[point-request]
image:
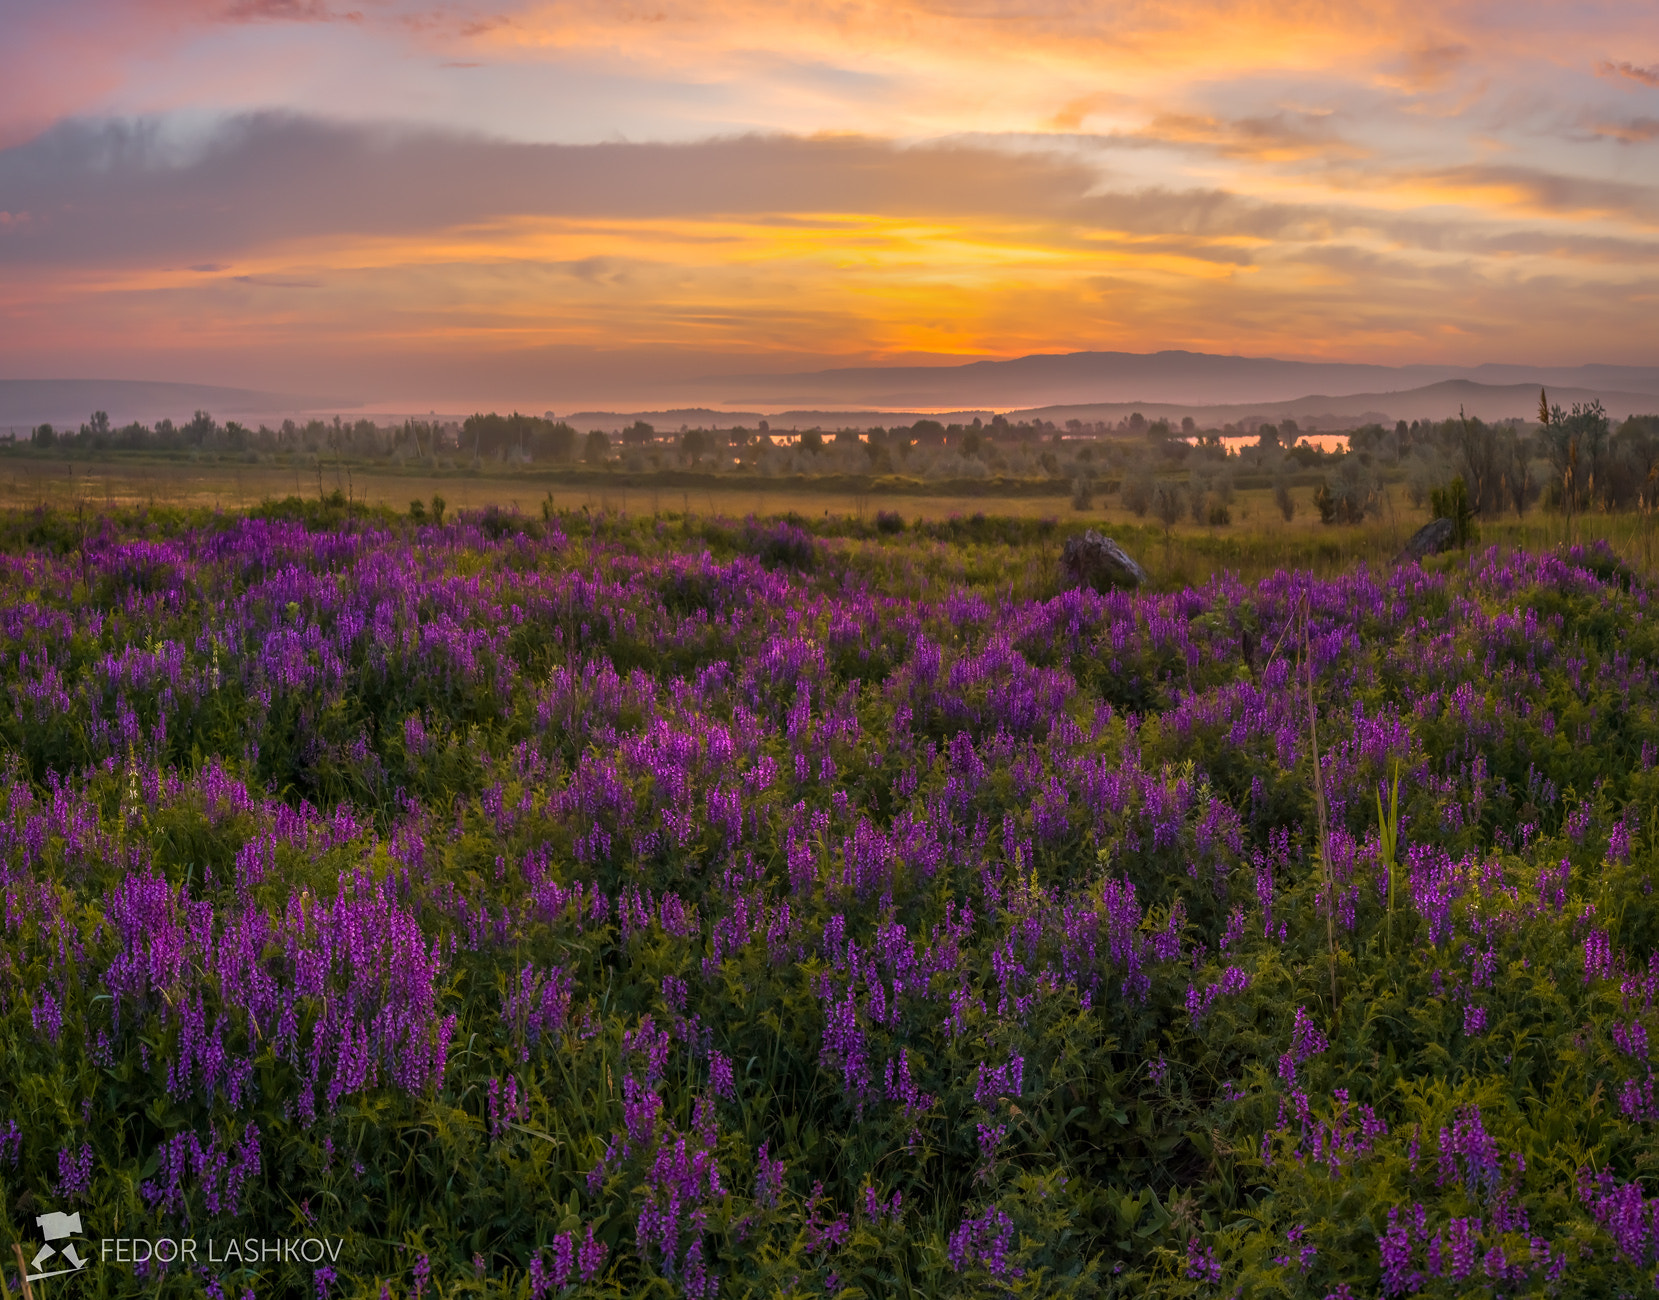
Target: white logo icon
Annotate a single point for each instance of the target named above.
(55, 1227)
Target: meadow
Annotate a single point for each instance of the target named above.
(574, 902)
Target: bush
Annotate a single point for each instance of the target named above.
(1452, 502)
(1138, 490)
(1349, 495)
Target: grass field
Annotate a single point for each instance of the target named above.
(1256, 543)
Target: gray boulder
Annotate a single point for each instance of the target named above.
(1433, 537)
(1098, 562)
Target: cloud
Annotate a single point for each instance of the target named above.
(1635, 130)
(126, 194)
(114, 190)
(276, 282)
(1431, 67)
(446, 259)
(1647, 76)
(1535, 190)
(1279, 137)
(289, 11)
(677, 68)
(1072, 114)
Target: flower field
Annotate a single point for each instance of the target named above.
(594, 906)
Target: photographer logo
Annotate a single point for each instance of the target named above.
(56, 1260)
(55, 1226)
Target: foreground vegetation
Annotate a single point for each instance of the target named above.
(581, 904)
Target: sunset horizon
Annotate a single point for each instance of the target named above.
(573, 204)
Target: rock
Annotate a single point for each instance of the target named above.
(1095, 561)
(1433, 537)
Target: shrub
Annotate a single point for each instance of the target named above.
(1452, 502)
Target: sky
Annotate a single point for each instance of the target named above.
(568, 203)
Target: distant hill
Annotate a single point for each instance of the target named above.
(1090, 386)
(693, 417)
(1174, 378)
(781, 421)
(25, 403)
(1430, 402)
(1437, 401)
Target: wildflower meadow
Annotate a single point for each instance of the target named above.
(588, 905)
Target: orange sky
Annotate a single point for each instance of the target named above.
(557, 204)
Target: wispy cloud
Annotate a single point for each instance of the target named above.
(862, 179)
(774, 250)
(1647, 76)
(1630, 130)
(289, 11)
(1279, 137)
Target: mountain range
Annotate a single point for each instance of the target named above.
(1090, 386)
(1186, 379)
(25, 403)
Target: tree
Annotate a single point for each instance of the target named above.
(598, 448)
(555, 442)
(1480, 463)
(1574, 443)
(1167, 504)
(44, 436)
(638, 434)
(1198, 485)
(693, 443)
(200, 429)
(99, 424)
(1452, 502)
(1347, 496)
(1633, 460)
(1282, 497)
(1517, 473)
(1138, 490)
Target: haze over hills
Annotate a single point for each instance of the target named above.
(1491, 402)
(1179, 378)
(1091, 386)
(67, 402)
